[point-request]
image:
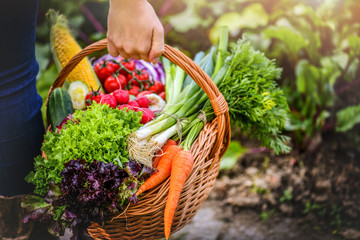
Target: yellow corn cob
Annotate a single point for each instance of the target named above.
(64, 47)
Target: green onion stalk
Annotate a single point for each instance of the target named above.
(185, 100)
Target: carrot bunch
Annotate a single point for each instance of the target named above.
(177, 164)
(164, 169)
(163, 151)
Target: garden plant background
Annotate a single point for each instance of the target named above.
(317, 44)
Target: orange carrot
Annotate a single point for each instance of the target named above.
(163, 150)
(164, 169)
(181, 168)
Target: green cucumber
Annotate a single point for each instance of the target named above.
(60, 106)
(78, 91)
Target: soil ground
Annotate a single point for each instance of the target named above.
(314, 195)
(245, 224)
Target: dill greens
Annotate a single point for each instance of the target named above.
(256, 104)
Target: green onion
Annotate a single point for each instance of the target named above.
(185, 100)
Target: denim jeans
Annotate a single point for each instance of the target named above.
(21, 126)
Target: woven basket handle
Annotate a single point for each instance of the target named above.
(191, 68)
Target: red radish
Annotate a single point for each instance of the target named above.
(122, 106)
(146, 116)
(108, 99)
(151, 113)
(134, 104)
(163, 95)
(143, 93)
(128, 107)
(143, 101)
(134, 90)
(122, 96)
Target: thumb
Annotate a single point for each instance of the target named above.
(112, 49)
(157, 44)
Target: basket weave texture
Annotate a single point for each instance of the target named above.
(145, 220)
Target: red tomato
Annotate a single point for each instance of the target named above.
(111, 84)
(103, 69)
(134, 82)
(134, 90)
(93, 96)
(163, 95)
(128, 76)
(143, 93)
(129, 64)
(149, 84)
(157, 88)
(123, 81)
(115, 65)
(141, 75)
(161, 87)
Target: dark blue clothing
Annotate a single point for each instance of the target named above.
(21, 126)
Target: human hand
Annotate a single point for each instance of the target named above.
(134, 30)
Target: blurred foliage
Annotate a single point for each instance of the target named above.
(316, 42)
(287, 196)
(87, 20)
(348, 117)
(232, 155)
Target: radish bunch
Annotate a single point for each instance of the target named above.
(140, 104)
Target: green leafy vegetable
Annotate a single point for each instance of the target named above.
(256, 104)
(293, 40)
(252, 16)
(232, 155)
(98, 133)
(347, 118)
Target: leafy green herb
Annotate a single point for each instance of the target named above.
(256, 103)
(98, 133)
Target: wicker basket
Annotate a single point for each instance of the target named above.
(145, 220)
